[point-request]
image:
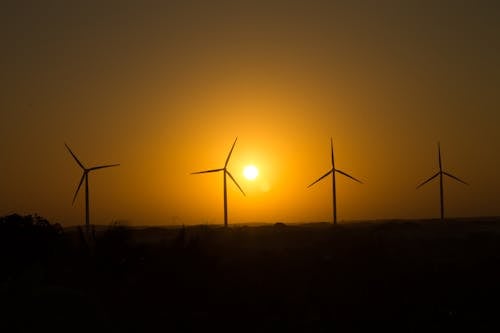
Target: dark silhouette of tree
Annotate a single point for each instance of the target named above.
(28, 238)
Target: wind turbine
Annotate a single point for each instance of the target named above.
(332, 171)
(85, 177)
(440, 173)
(225, 172)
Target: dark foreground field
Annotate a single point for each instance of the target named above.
(404, 276)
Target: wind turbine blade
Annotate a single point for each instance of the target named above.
(104, 166)
(347, 175)
(234, 180)
(456, 178)
(230, 152)
(78, 188)
(428, 180)
(331, 146)
(439, 157)
(74, 156)
(317, 180)
(207, 171)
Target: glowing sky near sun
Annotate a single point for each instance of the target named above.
(250, 172)
(163, 89)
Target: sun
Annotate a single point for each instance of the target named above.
(250, 172)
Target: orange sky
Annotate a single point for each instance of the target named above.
(165, 89)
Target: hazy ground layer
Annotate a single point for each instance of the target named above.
(312, 277)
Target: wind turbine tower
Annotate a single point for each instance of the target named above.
(332, 171)
(440, 173)
(85, 177)
(225, 173)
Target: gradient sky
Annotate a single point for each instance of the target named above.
(164, 87)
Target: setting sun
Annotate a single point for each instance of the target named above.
(250, 172)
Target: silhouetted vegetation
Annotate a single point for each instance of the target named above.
(25, 239)
(413, 275)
